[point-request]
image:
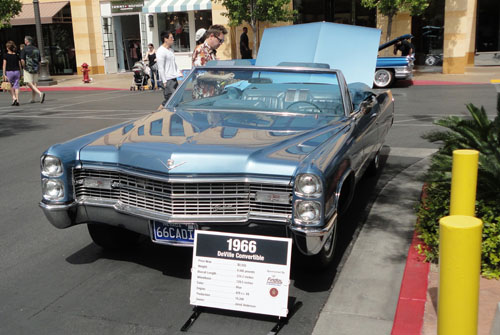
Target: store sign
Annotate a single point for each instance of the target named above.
(247, 273)
(127, 6)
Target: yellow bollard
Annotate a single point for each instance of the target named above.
(459, 272)
(464, 182)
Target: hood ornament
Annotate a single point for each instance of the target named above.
(171, 164)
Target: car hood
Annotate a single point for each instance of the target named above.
(394, 41)
(351, 49)
(207, 142)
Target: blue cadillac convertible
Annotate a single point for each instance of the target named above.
(274, 148)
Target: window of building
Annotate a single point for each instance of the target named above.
(488, 27)
(178, 24)
(338, 11)
(107, 36)
(203, 19)
(428, 30)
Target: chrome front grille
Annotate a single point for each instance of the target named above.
(182, 199)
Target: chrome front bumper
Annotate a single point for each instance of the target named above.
(308, 240)
(403, 73)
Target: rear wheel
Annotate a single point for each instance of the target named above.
(112, 238)
(430, 60)
(383, 78)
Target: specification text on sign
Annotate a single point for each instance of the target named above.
(247, 273)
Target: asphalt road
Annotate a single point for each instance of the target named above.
(58, 282)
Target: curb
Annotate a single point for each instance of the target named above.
(410, 309)
(438, 82)
(495, 327)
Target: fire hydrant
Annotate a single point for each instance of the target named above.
(85, 71)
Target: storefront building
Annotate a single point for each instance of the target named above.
(57, 31)
(121, 34)
(454, 34)
(71, 33)
(183, 19)
(129, 26)
(110, 35)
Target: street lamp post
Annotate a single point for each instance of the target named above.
(44, 79)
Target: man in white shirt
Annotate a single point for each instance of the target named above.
(167, 68)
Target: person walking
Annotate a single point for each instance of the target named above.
(30, 59)
(207, 51)
(245, 51)
(12, 71)
(167, 68)
(151, 58)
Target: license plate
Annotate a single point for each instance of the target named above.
(173, 232)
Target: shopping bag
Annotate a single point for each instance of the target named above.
(6, 86)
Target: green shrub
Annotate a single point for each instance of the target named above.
(483, 135)
(436, 205)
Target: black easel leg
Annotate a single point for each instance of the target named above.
(192, 319)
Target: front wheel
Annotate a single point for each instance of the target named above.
(383, 78)
(112, 238)
(325, 257)
(374, 166)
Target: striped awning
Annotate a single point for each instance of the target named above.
(168, 6)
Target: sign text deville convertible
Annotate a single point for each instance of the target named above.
(245, 273)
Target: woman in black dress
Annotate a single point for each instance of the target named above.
(12, 71)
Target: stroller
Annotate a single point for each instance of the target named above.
(141, 76)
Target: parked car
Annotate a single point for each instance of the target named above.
(274, 150)
(394, 68)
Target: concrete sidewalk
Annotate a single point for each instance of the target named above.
(365, 296)
(113, 81)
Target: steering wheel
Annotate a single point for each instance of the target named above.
(297, 105)
(233, 92)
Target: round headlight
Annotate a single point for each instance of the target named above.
(308, 211)
(52, 189)
(308, 185)
(51, 166)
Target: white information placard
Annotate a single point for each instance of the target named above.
(247, 273)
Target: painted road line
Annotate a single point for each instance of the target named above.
(63, 117)
(88, 101)
(411, 152)
(415, 125)
(80, 112)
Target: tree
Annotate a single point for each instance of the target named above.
(390, 8)
(255, 11)
(9, 9)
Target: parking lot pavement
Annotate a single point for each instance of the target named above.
(364, 296)
(98, 104)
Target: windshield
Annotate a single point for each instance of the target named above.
(260, 90)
